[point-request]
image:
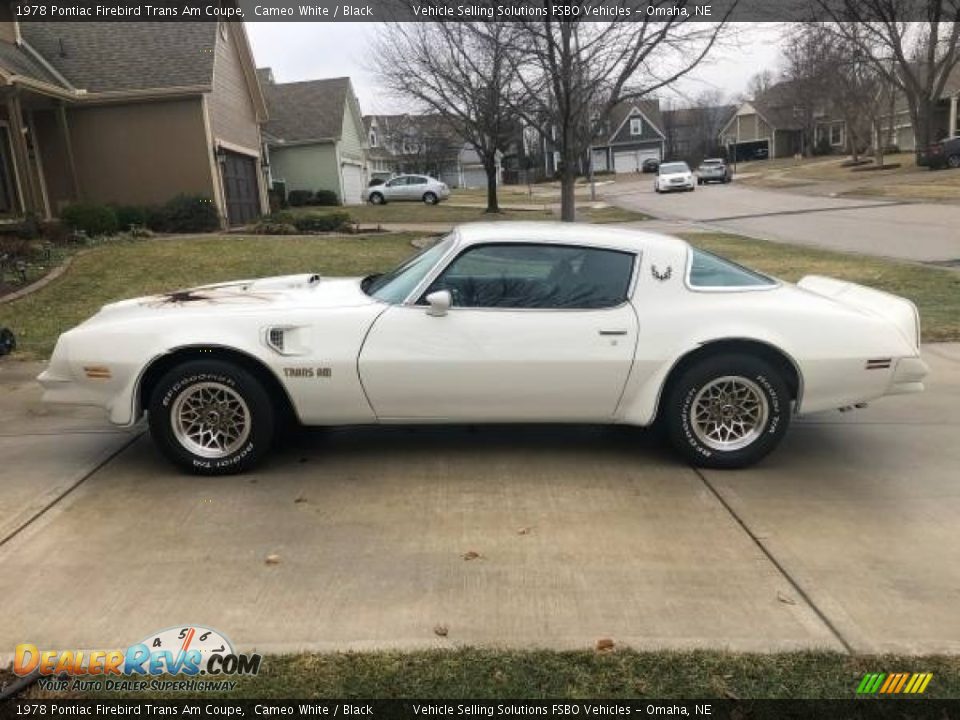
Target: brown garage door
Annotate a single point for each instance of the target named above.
(240, 188)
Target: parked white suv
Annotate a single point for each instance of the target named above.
(421, 188)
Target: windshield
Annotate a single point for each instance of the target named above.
(396, 285)
(670, 168)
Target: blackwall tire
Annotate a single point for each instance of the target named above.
(430, 198)
(727, 411)
(377, 198)
(211, 417)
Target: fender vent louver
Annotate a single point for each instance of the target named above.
(879, 363)
(275, 339)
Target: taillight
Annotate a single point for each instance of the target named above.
(936, 149)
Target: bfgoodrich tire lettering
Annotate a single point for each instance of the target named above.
(211, 417)
(727, 411)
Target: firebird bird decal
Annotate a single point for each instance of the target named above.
(661, 276)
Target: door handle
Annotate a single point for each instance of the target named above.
(612, 332)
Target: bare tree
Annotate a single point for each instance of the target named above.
(913, 55)
(570, 73)
(759, 83)
(459, 71)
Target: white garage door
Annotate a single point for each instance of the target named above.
(352, 185)
(629, 161)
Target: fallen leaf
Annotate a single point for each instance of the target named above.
(524, 531)
(440, 630)
(605, 644)
(272, 560)
(471, 555)
(300, 499)
(731, 695)
(786, 599)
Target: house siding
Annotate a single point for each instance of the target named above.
(351, 137)
(307, 167)
(648, 133)
(139, 154)
(233, 117)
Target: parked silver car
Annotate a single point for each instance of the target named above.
(420, 188)
(714, 170)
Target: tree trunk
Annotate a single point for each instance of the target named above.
(568, 197)
(493, 206)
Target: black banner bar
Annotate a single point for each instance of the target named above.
(451, 10)
(862, 709)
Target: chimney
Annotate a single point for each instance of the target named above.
(265, 76)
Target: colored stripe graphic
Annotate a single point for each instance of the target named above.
(894, 683)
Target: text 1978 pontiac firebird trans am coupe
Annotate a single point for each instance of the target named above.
(496, 323)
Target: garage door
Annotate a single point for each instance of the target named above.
(240, 188)
(628, 161)
(352, 185)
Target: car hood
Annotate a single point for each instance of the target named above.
(675, 176)
(273, 293)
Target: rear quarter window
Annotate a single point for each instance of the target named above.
(712, 271)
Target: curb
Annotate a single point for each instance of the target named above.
(44, 281)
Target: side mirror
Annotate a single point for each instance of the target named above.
(440, 301)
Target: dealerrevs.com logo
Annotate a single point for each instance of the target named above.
(190, 651)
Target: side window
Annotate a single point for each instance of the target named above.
(418, 181)
(710, 271)
(537, 277)
(397, 182)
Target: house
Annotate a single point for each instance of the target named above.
(315, 136)
(898, 128)
(172, 108)
(692, 134)
(427, 144)
(632, 133)
(771, 125)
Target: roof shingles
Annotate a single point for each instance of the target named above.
(308, 110)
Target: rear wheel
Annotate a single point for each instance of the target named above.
(727, 411)
(954, 161)
(430, 198)
(211, 417)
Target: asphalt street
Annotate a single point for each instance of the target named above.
(845, 538)
(910, 231)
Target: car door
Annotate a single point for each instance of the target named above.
(395, 188)
(536, 332)
(417, 186)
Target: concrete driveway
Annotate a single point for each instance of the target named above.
(910, 231)
(846, 538)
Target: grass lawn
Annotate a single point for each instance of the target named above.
(490, 674)
(936, 291)
(114, 271)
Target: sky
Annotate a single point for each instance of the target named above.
(308, 51)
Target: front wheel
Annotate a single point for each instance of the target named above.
(211, 417)
(430, 198)
(377, 198)
(954, 161)
(727, 411)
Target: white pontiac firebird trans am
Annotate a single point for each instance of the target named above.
(498, 323)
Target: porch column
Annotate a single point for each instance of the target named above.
(954, 128)
(68, 148)
(31, 199)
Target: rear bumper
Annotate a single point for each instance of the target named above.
(908, 376)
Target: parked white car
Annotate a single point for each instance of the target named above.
(674, 176)
(418, 188)
(498, 322)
